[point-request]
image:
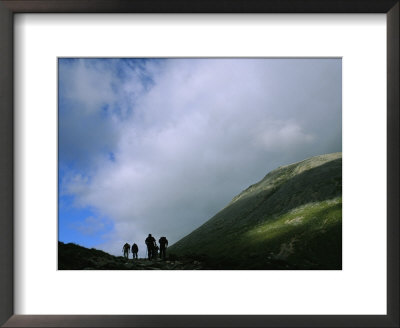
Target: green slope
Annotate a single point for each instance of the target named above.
(291, 219)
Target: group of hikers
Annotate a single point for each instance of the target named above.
(153, 250)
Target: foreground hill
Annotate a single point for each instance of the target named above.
(291, 219)
(75, 257)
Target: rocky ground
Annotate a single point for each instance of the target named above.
(75, 257)
(158, 264)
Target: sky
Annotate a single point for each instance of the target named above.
(161, 145)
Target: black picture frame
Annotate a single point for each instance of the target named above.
(10, 7)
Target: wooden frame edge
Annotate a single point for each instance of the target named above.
(8, 8)
(6, 164)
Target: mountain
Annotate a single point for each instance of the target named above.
(291, 219)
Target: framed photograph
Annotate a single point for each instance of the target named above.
(174, 138)
(202, 164)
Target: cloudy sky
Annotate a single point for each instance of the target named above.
(160, 145)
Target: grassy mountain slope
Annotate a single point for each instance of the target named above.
(292, 218)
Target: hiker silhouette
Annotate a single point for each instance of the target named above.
(151, 244)
(135, 250)
(163, 246)
(126, 249)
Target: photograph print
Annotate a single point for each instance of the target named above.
(199, 164)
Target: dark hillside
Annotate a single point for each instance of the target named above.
(75, 257)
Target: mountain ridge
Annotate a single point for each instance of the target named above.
(308, 186)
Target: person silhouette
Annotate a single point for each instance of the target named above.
(126, 249)
(163, 246)
(135, 250)
(150, 243)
